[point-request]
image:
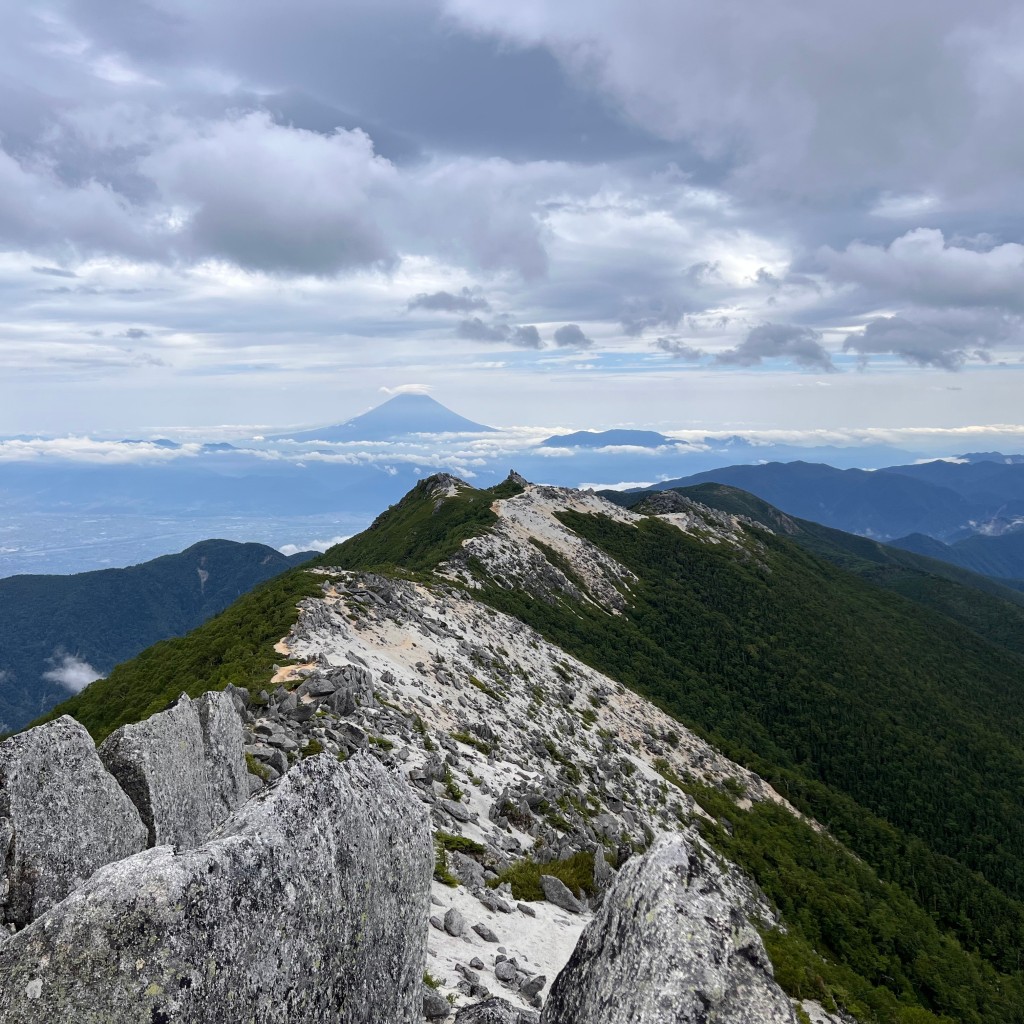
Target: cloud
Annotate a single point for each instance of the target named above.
(136, 333)
(801, 99)
(679, 349)
(465, 302)
(917, 343)
(54, 272)
(275, 198)
(313, 545)
(407, 389)
(526, 336)
(571, 336)
(85, 449)
(70, 671)
(801, 345)
(523, 336)
(474, 329)
(922, 268)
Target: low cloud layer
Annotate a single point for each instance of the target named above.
(313, 545)
(70, 671)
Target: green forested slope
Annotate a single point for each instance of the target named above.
(109, 615)
(985, 605)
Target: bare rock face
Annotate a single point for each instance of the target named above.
(62, 816)
(670, 944)
(494, 1011)
(224, 746)
(183, 768)
(308, 905)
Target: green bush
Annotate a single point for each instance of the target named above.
(577, 872)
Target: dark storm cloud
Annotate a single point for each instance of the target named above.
(571, 336)
(801, 345)
(445, 302)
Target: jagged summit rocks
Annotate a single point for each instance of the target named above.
(184, 768)
(669, 944)
(61, 817)
(307, 905)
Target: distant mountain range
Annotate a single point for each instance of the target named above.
(58, 633)
(400, 416)
(1000, 556)
(946, 500)
(61, 499)
(607, 438)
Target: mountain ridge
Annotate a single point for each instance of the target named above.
(808, 687)
(53, 627)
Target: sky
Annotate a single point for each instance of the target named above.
(796, 216)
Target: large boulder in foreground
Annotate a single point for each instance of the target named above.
(62, 816)
(183, 768)
(669, 944)
(308, 905)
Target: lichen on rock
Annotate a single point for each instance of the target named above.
(184, 768)
(62, 816)
(307, 905)
(669, 944)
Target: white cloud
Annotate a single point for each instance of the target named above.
(313, 545)
(85, 449)
(71, 671)
(800, 98)
(921, 267)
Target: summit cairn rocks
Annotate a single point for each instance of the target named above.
(309, 904)
(669, 944)
(62, 816)
(184, 768)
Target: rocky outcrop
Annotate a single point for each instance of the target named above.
(495, 1011)
(307, 905)
(184, 768)
(227, 778)
(61, 817)
(670, 944)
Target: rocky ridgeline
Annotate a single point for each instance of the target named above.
(529, 547)
(355, 842)
(523, 755)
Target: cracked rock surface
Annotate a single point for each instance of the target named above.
(307, 905)
(183, 768)
(669, 944)
(61, 817)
